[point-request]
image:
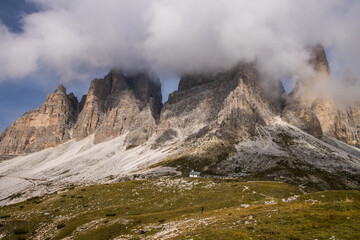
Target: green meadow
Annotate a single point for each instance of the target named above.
(170, 208)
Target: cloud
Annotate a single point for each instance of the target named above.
(75, 37)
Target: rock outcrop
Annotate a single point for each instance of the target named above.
(298, 108)
(300, 115)
(319, 60)
(121, 104)
(320, 115)
(225, 105)
(44, 127)
(341, 122)
(114, 105)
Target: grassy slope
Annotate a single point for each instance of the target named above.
(204, 159)
(171, 207)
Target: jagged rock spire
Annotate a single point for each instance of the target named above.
(43, 127)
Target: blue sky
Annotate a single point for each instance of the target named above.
(17, 98)
(25, 94)
(12, 10)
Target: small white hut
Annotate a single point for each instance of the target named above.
(194, 174)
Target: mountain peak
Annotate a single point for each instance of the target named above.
(60, 89)
(319, 60)
(118, 103)
(43, 127)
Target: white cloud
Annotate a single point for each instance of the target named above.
(75, 37)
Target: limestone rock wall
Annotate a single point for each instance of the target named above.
(300, 115)
(341, 122)
(114, 105)
(43, 127)
(225, 105)
(118, 104)
(305, 112)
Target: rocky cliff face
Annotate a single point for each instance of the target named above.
(225, 105)
(114, 105)
(319, 60)
(44, 127)
(298, 108)
(119, 104)
(319, 115)
(340, 122)
(300, 115)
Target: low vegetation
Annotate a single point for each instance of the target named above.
(131, 147)
(170, 208)
(205, 158)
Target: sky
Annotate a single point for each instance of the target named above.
(16, 98)
(47, 42)
(22, 94)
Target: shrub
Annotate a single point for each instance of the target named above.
(130, 147)
(60, 226)
(20, 231)
(17, 195)
(33, 199)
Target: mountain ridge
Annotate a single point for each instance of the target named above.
(222, 124)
